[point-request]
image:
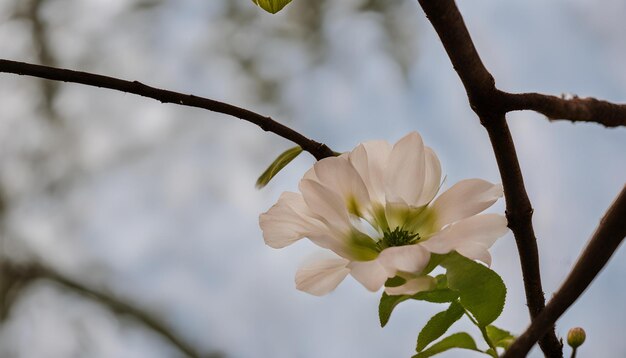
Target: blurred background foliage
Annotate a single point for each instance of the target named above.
(58, 139)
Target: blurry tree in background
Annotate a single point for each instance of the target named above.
(57, 140)
(128, 227)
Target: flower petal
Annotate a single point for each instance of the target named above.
(354, 246)
(337, 174)
(325, 204)
(286, 221)
(404, 216)
(369, 159)
(464, 199)
(432, 177)
(370, 274)
(310, 174)
(475, 251)
(404, 175)
(409, 258)
(321, 276)
(482, 229)
(412, 286)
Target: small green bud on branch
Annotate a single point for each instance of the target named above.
(576, 337)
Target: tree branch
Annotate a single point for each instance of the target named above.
(318, 150)
(448, 23)
(486, 101)
(604, 242)
(25, 274)
(574, 109)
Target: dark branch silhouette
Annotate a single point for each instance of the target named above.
(485, 100)
(318, 150)
(604, 242)
(574, 109)
(24, 274)
(491, 106)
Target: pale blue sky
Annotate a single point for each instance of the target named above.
(176, 229)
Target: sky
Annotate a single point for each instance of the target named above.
(175, 227)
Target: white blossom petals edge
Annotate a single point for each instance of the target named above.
(375, 210)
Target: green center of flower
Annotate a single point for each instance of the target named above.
(397, 237)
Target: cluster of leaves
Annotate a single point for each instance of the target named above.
(470, 289)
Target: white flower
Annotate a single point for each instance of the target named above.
(373, 207)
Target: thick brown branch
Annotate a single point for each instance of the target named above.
(34, 272)
(318, 150)
(604, 242)
(480, 84)
(574, 109)
(448, 22)
(518, 211)
(486, 100)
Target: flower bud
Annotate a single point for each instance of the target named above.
(576, 337)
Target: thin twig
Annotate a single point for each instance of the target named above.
(33, 272)
(604, 242)
(485, 100)
(318, 150)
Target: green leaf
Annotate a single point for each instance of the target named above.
(500, 337)
(438, 325)
(277, 165)
(481, 290)
(386, 306)
(441, 293)
(395, 281)
(437, 296)
(457, 340)
(492, 353)
(442, 281)
(272, 6)
(435, 260)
